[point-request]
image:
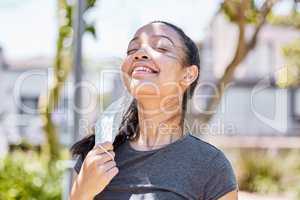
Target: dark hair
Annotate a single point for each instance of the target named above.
(129, 128)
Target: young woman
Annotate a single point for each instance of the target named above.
(152, 157)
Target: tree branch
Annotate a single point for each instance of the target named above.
(242, 50)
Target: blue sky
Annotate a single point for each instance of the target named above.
(28, 28)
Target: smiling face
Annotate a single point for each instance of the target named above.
(155, 63)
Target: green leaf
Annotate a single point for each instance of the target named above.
(91, 29)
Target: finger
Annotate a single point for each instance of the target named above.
(106, 146)
(106, 151)
(110, 153)
(111, 173)
(107, 166)
(103, 158)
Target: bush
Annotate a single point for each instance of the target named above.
(260, 174)
(24, 176)
(268, 172)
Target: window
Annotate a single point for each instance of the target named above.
(296, 104)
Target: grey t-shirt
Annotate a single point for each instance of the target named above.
(188, 168)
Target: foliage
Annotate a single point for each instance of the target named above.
(261, 174)
(62, 66)
(24, 176)
(290, 20)
(290, 74)
(231, 9)
(268, 172)
(241, 13)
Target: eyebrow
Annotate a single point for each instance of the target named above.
(163, 36)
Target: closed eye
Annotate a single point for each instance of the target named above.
(131, 51)
(161, 49)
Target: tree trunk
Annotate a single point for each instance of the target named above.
(242, 50)
(48, 103)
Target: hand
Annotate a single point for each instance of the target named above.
(97, 171)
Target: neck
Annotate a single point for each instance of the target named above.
(159, 123)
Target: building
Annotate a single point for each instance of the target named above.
(22, 83)
(253, 104)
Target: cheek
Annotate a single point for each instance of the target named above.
(125, 65)
(169, 79)
(169, 74)
(170, 84)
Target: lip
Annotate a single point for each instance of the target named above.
(143, 64)
(142, 75)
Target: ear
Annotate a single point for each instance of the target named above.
(190, 74)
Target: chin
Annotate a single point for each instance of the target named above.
(144, 89)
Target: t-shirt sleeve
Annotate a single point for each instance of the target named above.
(222, 178)
(78, 164)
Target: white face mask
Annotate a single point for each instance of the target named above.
(107, 126)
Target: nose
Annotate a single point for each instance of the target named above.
(141, 55)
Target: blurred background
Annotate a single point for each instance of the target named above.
(59, 69)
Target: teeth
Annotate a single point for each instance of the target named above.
(146, 69)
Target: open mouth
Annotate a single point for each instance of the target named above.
(144, 69)
(141, 71)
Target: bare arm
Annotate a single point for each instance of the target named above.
(233, 195)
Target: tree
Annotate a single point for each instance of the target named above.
(289, 76)
(62, 67)
(241, 13)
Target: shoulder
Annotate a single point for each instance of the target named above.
(216, 172)
(208, 156)
(204, 149)
(196, 141)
